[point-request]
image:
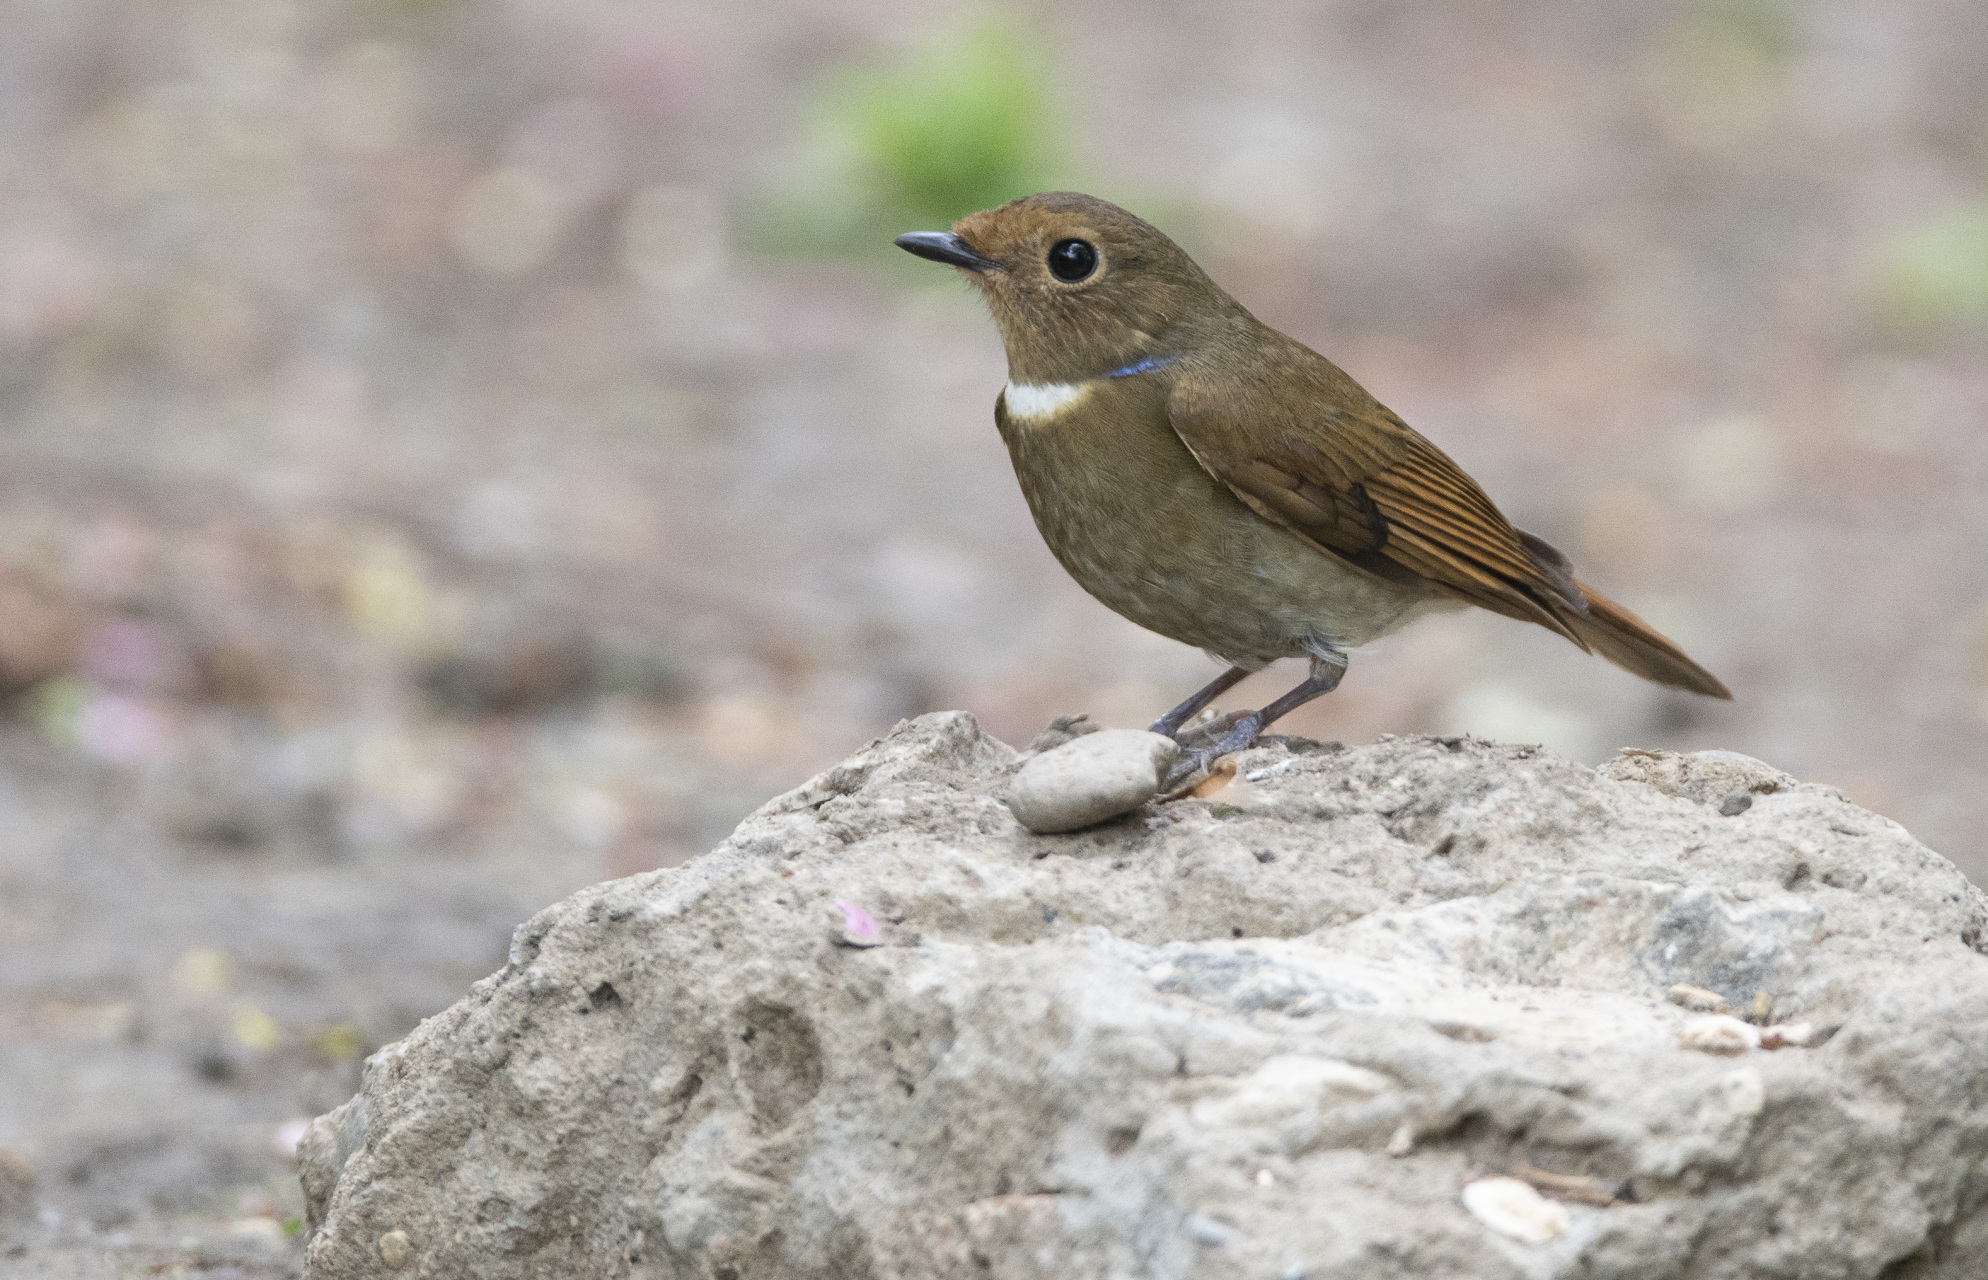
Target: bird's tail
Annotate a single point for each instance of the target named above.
(1634, 645)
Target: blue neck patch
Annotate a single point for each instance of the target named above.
(1143, 366)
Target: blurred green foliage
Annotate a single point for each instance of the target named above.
(1765, 29)
(1737, 42)
(341, 1043)
(959, 127)
(962, 123)
(56, 707)
(1935, 272)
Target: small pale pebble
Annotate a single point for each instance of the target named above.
(858, 928)
(1696, 999)
(1717, 1033)
(1402, 1142)
(1787, 1035)
(1090, 779)
(1265, 1178)
(1512, 1208)
(1207, 1232)
(396, 1250)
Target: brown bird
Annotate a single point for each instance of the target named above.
(1226, 486)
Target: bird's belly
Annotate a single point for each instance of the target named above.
(1159, 541)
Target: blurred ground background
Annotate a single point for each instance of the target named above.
(451, 454)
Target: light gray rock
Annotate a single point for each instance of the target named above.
(1090, 778)
(1275, 1034)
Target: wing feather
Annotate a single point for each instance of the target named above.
(1316, 454)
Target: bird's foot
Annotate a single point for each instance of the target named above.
(1201, 745)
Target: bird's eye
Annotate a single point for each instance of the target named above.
(1072, 260)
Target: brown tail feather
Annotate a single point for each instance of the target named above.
(1632, 644)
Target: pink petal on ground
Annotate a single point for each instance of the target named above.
(858, 929)
(122, 730)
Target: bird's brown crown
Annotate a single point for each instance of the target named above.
(1080, 287)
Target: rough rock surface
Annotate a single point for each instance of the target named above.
(1088, 779)
(1271, 1034)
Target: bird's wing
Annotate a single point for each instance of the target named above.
(1310, 450)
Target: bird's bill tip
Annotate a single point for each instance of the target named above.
(943, 246)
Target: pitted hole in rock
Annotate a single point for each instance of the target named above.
(776, 1059)
(603, 997)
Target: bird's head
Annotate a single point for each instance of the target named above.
(1078, 287)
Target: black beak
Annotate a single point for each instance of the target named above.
(944, 246)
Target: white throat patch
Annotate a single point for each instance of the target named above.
(1039, 402)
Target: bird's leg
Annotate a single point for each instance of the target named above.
(1323, 679)
(1170, 723)
(1239, 730)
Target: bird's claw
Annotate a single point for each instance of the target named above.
(1203, 744)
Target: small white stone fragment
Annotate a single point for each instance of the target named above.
(1091, 778)
(1265, 1178)
(1402, 1141)
(396, 1250)
(1288, 1084)
(1787, 1035)
(1512, 1208)
(1718, 1033)
(1696, 999)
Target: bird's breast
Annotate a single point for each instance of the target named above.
(1144, 528)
